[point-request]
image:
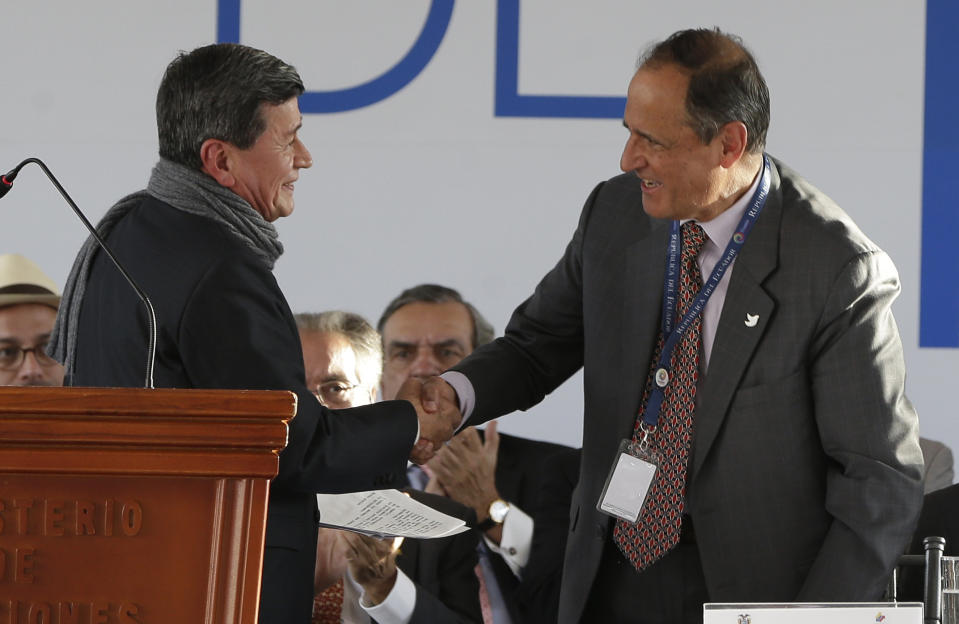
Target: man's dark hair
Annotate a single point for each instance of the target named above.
(725, 83)
(434, 293)
(216, 92)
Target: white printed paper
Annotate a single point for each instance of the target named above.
(385, 513)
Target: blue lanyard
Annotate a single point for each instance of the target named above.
(672, 335)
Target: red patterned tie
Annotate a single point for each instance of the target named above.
(485, 607)
(328, 605)
(657, 529)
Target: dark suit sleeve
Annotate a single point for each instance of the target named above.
(238, 332)
(543, 342)
(442, 569)
(538, 593)
(868, 429)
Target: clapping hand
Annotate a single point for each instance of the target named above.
(372, 564)
(465, 469)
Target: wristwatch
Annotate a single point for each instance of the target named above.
(497, 514)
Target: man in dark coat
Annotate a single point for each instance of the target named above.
(201, 243)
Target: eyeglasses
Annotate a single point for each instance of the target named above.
(11, 357)
(335, 394)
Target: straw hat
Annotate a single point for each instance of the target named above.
(22, 281)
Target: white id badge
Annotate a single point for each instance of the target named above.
(628, 481)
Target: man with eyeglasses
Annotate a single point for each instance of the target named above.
(342, 356)
(28, 308)
(359, 579)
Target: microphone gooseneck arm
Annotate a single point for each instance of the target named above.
(6, 182)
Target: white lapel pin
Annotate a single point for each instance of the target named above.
(751, 320)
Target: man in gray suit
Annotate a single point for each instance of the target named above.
(801, 477)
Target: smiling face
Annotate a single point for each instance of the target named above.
(265, 173)
(682, 177)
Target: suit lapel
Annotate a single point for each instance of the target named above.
(408, 559)
(642, 309)
(508, 472)
(736, 335)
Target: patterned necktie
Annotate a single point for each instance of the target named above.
(328, 605)
(485, 608)
(656, 530)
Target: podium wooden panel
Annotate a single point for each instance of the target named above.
(121, 506)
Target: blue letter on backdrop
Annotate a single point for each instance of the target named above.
(379, 88)
(509, 103)
(939, 298)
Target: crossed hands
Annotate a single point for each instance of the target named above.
(331, 559)
(438, 412)
(372, 564)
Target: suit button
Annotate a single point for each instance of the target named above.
(512, 550)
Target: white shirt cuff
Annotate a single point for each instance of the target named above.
(517, 540)
(464, 393)
(397, 607)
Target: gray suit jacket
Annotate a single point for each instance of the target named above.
(805, 474)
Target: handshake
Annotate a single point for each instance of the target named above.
(438, 412)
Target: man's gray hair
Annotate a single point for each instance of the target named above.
(363, 338)
(434, 293)
(217, 92)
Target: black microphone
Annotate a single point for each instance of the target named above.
(6, 183)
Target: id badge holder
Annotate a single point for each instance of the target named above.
(629, 480)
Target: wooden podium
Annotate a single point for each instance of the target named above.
(121, 506)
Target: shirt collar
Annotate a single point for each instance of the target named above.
(721, 228)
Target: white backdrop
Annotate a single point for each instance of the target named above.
(430, 185)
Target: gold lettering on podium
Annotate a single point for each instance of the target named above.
(69, 612)
(52, 517)
(84, 518)
(100, 612)
(59, 518)
(38, 613)
(22, 506)
(23, 571)
(16, 565)
(108, 518)
(131, 518)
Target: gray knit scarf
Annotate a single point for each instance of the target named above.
(187, 190)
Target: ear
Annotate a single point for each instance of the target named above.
(734, 138)
(214, 154)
